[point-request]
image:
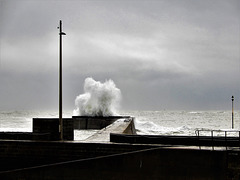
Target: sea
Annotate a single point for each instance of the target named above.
(146, 122)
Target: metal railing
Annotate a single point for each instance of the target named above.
(214, 134)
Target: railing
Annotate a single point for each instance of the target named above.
(226, 132)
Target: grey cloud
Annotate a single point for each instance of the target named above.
(161, 54)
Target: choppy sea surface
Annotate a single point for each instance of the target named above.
(146, 122)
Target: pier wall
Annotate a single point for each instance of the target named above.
(154, 163)
(94, 122)
(51, 126)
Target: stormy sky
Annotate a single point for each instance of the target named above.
(165, 54)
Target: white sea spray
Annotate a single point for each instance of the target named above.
(99, 99)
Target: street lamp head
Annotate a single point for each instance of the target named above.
(62, 33)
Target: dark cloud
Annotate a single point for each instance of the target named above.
(161, 54)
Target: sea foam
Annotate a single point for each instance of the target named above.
(150, 128)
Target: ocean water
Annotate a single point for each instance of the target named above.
(146, 122)
(185, 122)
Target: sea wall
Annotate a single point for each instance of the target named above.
(154, 163)
(94, 122)
(51, 126)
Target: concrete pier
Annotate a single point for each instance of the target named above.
(97, 122)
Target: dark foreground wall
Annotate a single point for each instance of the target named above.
(22, 154)
(158, 163)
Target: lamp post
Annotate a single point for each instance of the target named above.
(232, 113)
(60, 80)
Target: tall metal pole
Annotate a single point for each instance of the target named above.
(232, 113)
(60, 80)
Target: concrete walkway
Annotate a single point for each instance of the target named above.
(103, 135)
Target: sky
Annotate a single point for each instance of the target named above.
(161, 54)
